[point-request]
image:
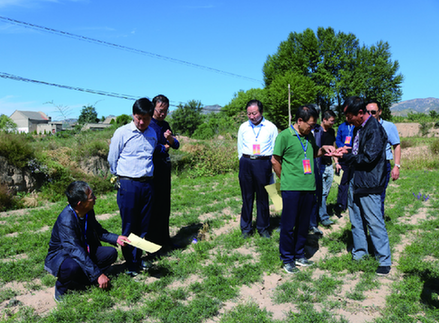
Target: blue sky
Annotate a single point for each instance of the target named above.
(230, 36)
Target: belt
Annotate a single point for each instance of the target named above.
(139, 179)
(256, 157)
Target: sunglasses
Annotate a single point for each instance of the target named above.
(372, 112)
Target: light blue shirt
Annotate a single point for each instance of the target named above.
(264, 135)
(131, 151)
(392, 137)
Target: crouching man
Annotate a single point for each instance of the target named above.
(75, 255)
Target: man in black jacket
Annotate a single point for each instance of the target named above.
(75, 255)
(368, 160)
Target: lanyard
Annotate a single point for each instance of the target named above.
(85, 231)
(350, 127)
(253, 128)
(298, 137)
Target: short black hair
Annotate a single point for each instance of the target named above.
(305, 112)
(356, 106)
(160, 98)
(328, 114)
(376, 102)
(143, 106)
(76, 192)
(255, 102)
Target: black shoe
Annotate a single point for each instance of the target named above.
(338, 209)
(383, 270)
(265, 234)
(246, 235)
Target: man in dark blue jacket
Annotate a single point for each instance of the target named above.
(75, 255)
(368, 162)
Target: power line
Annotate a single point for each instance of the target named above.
(129, 49)
(104, 93)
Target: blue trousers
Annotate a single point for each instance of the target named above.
(71, 276)
(297, 206)
(365, 213)
(135, 203)
(254, 175)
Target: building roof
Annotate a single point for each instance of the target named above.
(32, 115)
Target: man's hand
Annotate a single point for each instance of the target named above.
(169, 137)
(103, 281)
(121, 240)
(337, 167)
(395, 173)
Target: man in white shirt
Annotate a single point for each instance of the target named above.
(256, 138)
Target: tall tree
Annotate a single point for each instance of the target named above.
(338, 66)
(6, 124)
(187, 117)
(303, 90)
(88, 115)
(236, 107)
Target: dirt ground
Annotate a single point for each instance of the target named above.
(261, 293)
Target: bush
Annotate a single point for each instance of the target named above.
(435, 146)
(212, 157)
(424, 128)
(406, 143)
(16, 148)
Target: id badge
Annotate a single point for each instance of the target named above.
(347, 141)
(256, 149)
(306, 166)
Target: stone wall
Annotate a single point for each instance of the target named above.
(17, 179)
(23, 180)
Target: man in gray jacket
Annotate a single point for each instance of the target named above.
(76, 256)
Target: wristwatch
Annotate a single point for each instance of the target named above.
(398, 165)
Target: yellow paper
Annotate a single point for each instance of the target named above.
(143, 244)
(337, 179)
(273, 191)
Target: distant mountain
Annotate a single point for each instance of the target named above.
(415, 105)
(211, 108)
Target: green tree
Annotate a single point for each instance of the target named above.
(88, 115)
(187, 117)
(303, 90)
(6, 124)
(236, 107)
(338, 66)
(123, 119)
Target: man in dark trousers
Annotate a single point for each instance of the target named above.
(256, 139)
(368, 162)
(75, 255)
(159, 224)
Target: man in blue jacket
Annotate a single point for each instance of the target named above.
(368, 162)
(76, 256)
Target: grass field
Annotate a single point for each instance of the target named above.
(224, 278)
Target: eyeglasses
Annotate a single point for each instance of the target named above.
(161, 111)
(311, 125)
(372, 112)
(92, 197)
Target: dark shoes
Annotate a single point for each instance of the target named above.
(246, 235)
(315, 230)
(265, 234)
(145, 265)
(303, 262)
(291, 268)
(383, 270)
